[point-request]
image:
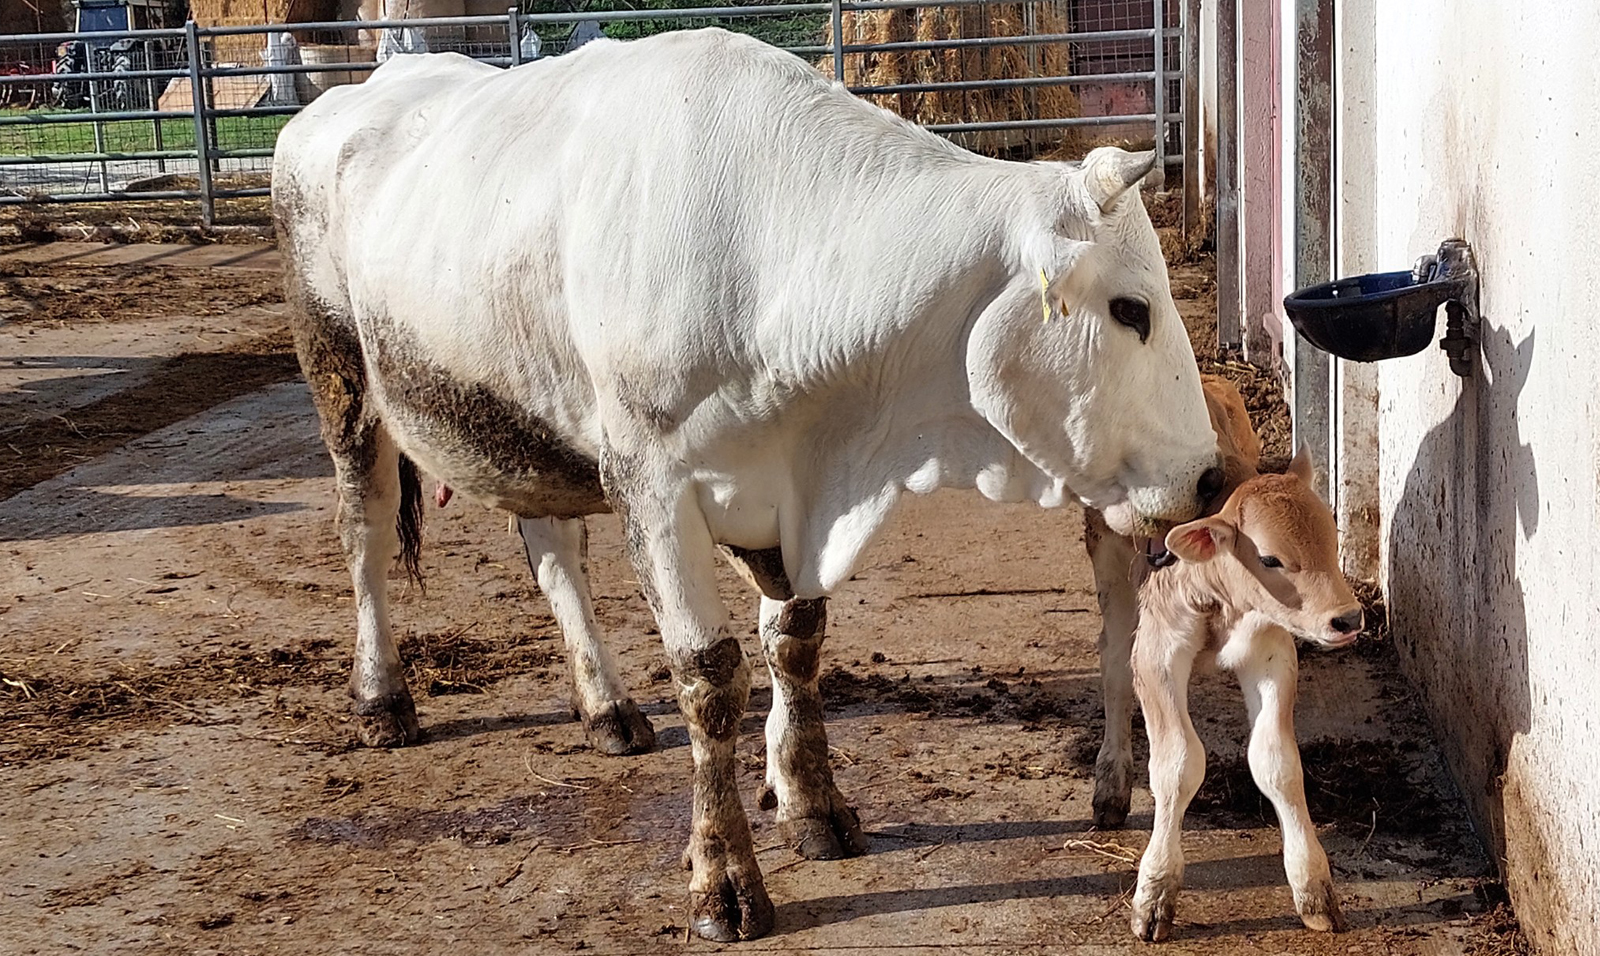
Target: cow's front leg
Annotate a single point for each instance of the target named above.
(1116, 577)
(1161, 669)
(558, 553)
(813, 816)
(672, 552)
(1268, 677)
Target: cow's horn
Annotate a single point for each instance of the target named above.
(1108, 172)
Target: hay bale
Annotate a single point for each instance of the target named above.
(895, 67)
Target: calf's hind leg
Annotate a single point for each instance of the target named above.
(558, 553)
(1118, 571)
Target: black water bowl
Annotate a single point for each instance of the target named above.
(1366, 318)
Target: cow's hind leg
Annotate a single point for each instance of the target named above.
(379, 499)
(813, 816)
(378, 514)
(671, 550)
(558, 553)
(1267, 677)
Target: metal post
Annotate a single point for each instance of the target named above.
(1159, 13)
(202, 139)
(94, 110)
(1194, 225)
(157, 137)
(1313, 219)
(1230, 327)
(838, 41)
(514, 36)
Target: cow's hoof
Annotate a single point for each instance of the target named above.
(1153, 912)
(620, 729)
(833, 837)
(1319, 909)
(388, 721)
(738, 909)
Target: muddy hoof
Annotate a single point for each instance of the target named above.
(738, 909)
(766, 797)
(834, 837)
(1113, 793)
(388, 721)
(620, 729)
(1153, 912)
(1110, 813)
(1319, 910)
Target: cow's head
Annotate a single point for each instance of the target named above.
(1274, 549)
(1083, 362)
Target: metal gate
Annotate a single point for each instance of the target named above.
(192, 113)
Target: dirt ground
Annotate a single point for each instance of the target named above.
(180, 773)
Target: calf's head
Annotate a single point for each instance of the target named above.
(1273, 549)
(1084, 364)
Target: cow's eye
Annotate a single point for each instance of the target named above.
(1132, 313)
(1268, 561)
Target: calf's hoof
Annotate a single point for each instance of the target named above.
(620, 729)
(1153, 912)
(1113, 793)
(388, 721)
(1110, 810)
(737, 909)
(1319, 909)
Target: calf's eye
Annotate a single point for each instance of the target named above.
(1132, 313)
(1268, 561)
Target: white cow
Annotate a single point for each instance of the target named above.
(689, 279)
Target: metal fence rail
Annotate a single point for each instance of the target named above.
(193, 113)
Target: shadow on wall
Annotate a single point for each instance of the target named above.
(1458, 614)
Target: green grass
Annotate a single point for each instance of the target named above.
(127, 136)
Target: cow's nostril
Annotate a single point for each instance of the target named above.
(1210, 484)
(1347, 623)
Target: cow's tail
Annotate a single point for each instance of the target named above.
(409, 522)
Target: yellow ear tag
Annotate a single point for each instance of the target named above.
(1044, 296)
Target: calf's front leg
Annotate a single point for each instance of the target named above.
(1161, 670)
(672, 552)
(1267, 676)
(813, 816)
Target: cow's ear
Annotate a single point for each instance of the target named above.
(1108, 172)
(1302, 466)
(1075, 268)
(1200, 541)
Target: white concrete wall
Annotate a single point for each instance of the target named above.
(1481, 119)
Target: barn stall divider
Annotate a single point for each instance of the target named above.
(191, 113)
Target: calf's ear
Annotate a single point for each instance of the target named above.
(1199, 541)
(1302, 465)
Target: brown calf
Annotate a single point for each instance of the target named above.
(1120, 566)
(1262, 572)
